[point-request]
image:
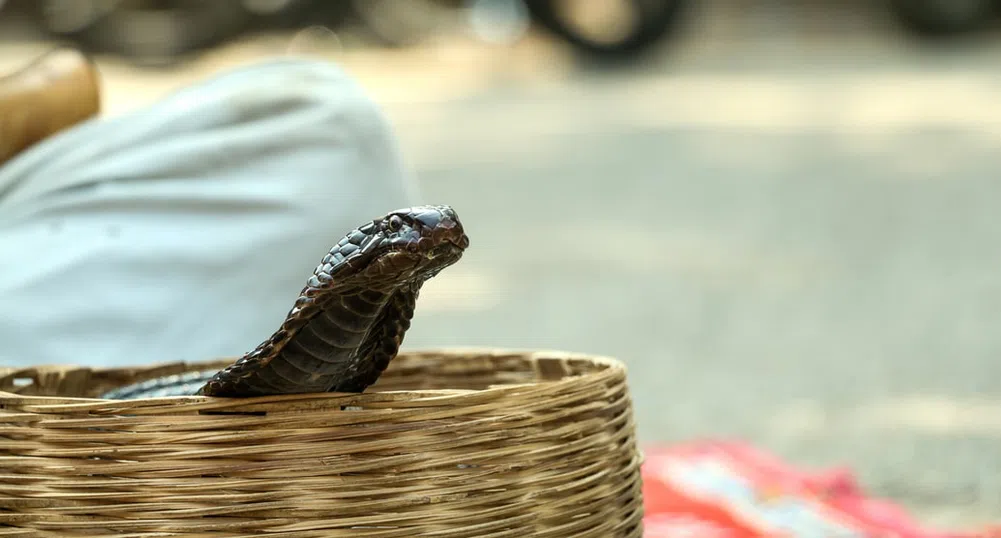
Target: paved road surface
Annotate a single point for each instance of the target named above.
(818, 275)
(794, 242)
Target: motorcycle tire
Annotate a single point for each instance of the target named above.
(943, 18)
(653, 21)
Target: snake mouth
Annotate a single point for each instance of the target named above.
(448, 251)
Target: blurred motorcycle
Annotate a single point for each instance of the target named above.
(145, 31)
(162, 31)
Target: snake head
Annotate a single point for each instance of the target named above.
(432, 231)
(411, 244)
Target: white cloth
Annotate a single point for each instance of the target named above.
(185, 230)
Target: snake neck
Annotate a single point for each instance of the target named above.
(382, 343)
(343, 346)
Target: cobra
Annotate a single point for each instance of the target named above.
(349, 320)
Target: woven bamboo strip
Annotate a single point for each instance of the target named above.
(457, 443)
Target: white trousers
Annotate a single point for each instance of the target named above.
(185, 230)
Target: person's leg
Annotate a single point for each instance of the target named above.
(184, 231)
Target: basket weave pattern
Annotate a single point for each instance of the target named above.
(447, 443)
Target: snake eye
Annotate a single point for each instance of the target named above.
(395, 223)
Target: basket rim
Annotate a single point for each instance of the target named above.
(608, 366)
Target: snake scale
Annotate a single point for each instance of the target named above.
(349, 320)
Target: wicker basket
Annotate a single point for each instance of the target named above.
(448, 443)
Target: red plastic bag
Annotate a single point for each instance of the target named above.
(730, 490)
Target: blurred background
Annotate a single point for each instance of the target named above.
(782, 215)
